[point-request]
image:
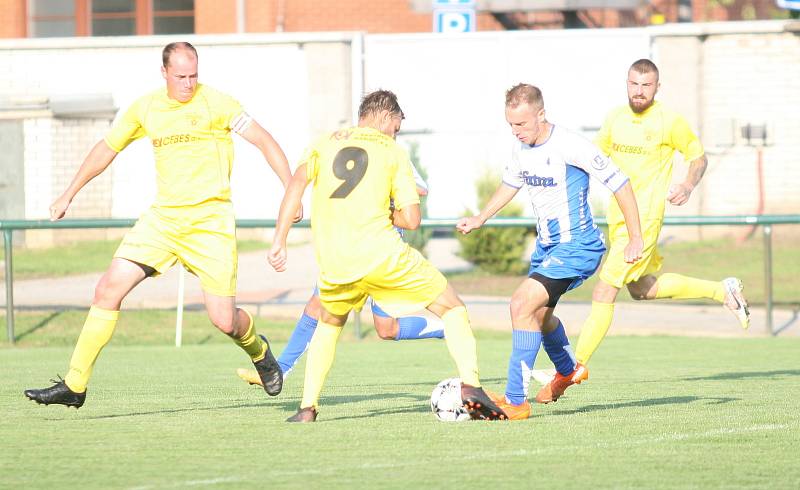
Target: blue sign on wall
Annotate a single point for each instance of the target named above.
(453, 20)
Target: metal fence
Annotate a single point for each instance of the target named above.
(766, 222)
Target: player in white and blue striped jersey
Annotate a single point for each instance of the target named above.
(554, 165)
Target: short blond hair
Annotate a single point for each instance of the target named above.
(524, 93)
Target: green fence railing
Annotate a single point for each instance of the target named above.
(766, 222)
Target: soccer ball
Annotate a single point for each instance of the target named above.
(446, 401)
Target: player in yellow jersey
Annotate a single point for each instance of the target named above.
(641, 139)
(355, 173)
(191, 221)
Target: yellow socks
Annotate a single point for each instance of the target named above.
(96, 333)
(461, 344)
(250, 342)
(321, 352)
(594, 330)
(677, 286)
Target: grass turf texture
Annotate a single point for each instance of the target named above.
(657, 412)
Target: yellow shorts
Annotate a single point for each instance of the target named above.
(615, 270)
(403, 284)
(202, 238)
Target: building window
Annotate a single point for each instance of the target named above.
(59, 18)
(51, 18)
(173, 16)
(113, 17)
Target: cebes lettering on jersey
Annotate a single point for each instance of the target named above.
(172, 139)
(635, 150)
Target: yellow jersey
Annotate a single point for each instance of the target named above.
(642, 146)
(355, 173)
(191, 141)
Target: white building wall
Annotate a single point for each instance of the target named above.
(452, 90)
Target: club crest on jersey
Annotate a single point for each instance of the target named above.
(600, 162)
(536, 181)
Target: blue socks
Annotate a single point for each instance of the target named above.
(414, 327)
(556, 344)
(523, 355)
(298, 343)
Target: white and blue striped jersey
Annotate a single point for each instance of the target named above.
(556, 174)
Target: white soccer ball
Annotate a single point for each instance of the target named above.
(446, 401)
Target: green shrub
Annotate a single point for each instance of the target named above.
(496, 250)
(418, 238)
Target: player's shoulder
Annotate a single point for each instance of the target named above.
(617, 112)
(566, 138)
(149, 97)
(214, 95)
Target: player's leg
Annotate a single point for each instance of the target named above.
(461, 344)
(407, 282)
(120, 278)
(406, 327)
(301, 335)
(614, 274)
(596, 326)
(677, 286)
(528, 307)
(336, 301)
(238, 324)
(298, 342)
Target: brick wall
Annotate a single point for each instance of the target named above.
(54, 150)
(12, 18)
(386, 16)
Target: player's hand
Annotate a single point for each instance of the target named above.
(679, 194)
(299, 215)
(277, 257)
(633, 250)
(466, 225)
(59, 208)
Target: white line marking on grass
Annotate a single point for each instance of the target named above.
(503, 455)
(192, 483)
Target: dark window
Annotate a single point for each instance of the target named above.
(52, 18)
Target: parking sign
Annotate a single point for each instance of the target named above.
(450, 21)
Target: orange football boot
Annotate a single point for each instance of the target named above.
(552, 391)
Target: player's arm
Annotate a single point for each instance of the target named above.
(290, 206)
(502, 196)
(679, 193)
(630, 211)
(98, 159)
(683, 139)
(409, 217)
(272, 151)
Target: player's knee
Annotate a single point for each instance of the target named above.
(386, 328)
(520, 307)
(104, 291)
(224, 323)
(637, 293)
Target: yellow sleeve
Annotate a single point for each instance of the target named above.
(311, 160)
(603, 138)
(684, 140)
(231, 109)
(404, 188)
(128, 128)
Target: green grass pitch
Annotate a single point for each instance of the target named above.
(657, 412)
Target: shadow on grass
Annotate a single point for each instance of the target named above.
(43, 323)
(290, 405)
(748, 374)
(672, 400)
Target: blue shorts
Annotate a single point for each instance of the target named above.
(577, 259)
